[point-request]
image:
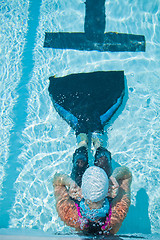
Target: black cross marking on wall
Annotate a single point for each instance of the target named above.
(93, 37)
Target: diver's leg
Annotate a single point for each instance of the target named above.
(80, 159)
(102, 156)
(103, 160)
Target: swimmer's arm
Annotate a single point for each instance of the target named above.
(121, 173)
(66, 208)
(64, 180)
(121, 203)
(60, 183)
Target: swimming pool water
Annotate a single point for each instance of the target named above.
(36, 142)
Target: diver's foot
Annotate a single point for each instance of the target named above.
(82, 140)
(97, 139)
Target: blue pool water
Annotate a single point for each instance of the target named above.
(36, 142)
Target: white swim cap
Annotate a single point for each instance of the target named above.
(94, 184)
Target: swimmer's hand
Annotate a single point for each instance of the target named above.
(61, 179)
(113, 187)
(64, 180)
(57, 179)
(75, 191)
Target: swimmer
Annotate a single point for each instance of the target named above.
(96, 199)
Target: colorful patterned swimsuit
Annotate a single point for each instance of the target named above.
(100, 227)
